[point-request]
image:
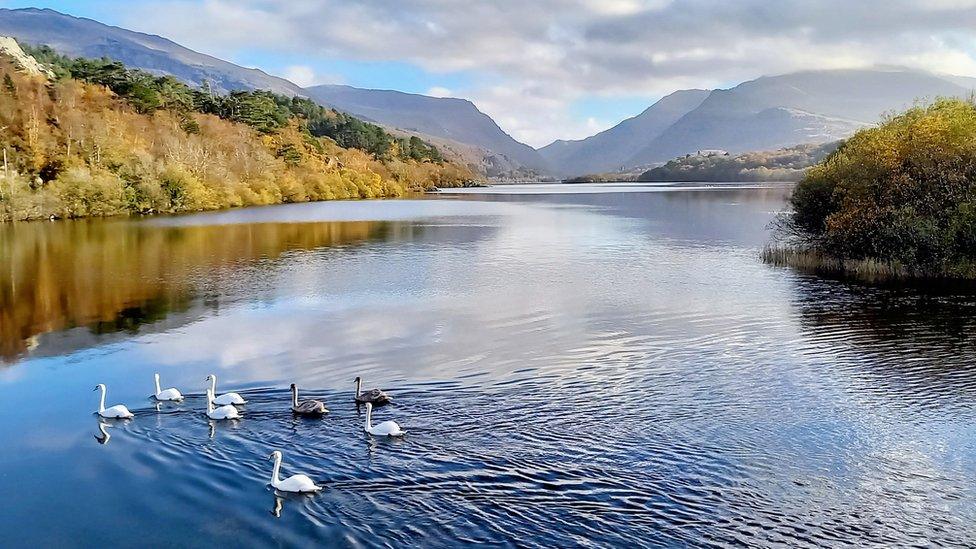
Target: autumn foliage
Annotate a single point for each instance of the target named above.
(901, 195)
(75, 149)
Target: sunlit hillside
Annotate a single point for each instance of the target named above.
(75, 148)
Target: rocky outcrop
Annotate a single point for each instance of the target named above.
(11, 49)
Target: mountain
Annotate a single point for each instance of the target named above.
(448, 118)
(79, 37)
(454, 122)
(804, 107)
(610, 150)
(767, 113)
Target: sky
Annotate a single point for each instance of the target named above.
(553, 69)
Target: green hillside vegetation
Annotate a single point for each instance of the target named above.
(602, 178)
(103, 140)
(265, 111)
(895, 201)
(788, 164)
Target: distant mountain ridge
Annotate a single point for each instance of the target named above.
(456, 122)
(80, 37)
(448, 118)
(772, 112)
(767, 113)
(804, 107)
(612, 149)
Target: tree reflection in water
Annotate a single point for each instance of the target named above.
(119, 275)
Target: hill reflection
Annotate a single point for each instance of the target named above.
(115, 276)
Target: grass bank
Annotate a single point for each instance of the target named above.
(865, 270)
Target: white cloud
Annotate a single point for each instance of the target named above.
(531, 60)
(438, 91)
(302, 75)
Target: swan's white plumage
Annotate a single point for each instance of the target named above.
(171, 395)
(294, 483)
(117, 411)
(226, 398)
(223, 412)
(229, 398)
(386, 428)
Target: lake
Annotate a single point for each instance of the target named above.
(575, 365)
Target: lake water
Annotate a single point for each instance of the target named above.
(586, 365)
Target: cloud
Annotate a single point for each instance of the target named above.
(302, 75)
(533, 59)
(439, 91)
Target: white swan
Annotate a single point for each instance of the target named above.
(224, 412)
(226, 398)
(294, 483)
(117, 411)
(387, 428)
(169, 395)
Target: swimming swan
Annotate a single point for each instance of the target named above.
(306, 407)
(224, 412)
(387, 428)
(117, 411)
(169, 395)
(294, 483)
(226, 398)
(374, 396)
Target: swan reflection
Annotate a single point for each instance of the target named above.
(103, 437)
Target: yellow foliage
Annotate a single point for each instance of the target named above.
(75, 150)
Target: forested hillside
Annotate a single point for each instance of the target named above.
(788, 164)
(100, 139)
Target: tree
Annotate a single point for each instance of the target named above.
(903, 193)
(8, 85)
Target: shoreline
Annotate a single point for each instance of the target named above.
(864, 270)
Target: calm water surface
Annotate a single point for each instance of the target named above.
(575, 366)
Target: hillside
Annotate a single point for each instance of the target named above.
(804, 107)
(104, 140)
(485, 146)
(79, 37)
(788, 164)
(611, 150)
(763, 114)
(447, 118)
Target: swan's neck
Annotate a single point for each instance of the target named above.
(213, 385)
(210, 407)
(158, 390)
(369, 418)
(101, 403)
(274, 473)
(359, 383)
(294, 396)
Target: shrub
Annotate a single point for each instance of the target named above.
(900, 193)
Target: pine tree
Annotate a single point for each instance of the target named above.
(8, 85)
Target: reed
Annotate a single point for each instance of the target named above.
(868, 270)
